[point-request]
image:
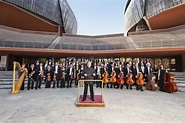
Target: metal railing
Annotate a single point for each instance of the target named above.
(167, 43)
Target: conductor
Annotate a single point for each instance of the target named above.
(88, 73)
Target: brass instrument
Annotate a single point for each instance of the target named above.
(17, 84)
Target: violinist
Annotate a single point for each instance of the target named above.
(31, 76)
(48, 75)
(70, 74)
(57, 74)
(62, 81)
(39, 76)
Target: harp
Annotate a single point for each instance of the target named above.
(17, 84)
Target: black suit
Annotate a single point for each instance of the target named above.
(57, 73)
(89, 71)
(69, 77)
(38, 76)
(31, 79)
(110, 70)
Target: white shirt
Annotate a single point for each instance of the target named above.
(137, 70)
(128, 70)
(112, 69)
(70, 71)
(40, 68)
(148, 70)
(98, 70)
(143, 69)
(105, 70)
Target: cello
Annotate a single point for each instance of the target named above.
(151, 84)
(113, 77)
(105, 78)
(169, 85)
(121, 78)
(129, 80)
(140, 80)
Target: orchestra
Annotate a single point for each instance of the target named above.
(114, 74)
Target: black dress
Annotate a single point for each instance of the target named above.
(162, 78)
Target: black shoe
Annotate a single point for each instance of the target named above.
(83, 100)
(92, 100)
(130, 88)
(142, 90)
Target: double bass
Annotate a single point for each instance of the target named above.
(121, 78)
(113, 77)
(169, 85)
(105, 78)
(140, 80)
(129, 80)
(151, 84)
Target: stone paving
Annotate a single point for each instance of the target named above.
(121, 106)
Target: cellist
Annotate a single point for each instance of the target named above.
(127, 71)
(136, 70)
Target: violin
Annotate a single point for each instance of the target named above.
(63, 75)
(140, 80)
(129, 80)
(170, 86)
(49, 78)
(105, 78)
(99, 76)
(42, 74)
(121, 78)
(113, 77)
(54, 78)
(151, 84)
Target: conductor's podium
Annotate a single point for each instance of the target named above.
(98, 98)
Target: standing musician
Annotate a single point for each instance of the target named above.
(48, 75)
(57, 74)
(161, 77)
(98, 76)
(127, 71)
(22, 68)
(148, 69)
(39, 76)
(31, 76)
(63, 73)
(88, 73)
(75, 67)
(117, 70)
(143, 70)
(70, 74)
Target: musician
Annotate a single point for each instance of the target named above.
(121, 69)
(127, 71)
(39, 76)
(98, 75)
(136, 70)
(89, 74)
(48, 75)
(161, 77)
(143, 70)
(57, 74)
(20, 73)
(63, 73)
(45, 68)
(117, 70)
(70, 74)
(31, 76)
(110, 70)
(155, 71)
(75, 73)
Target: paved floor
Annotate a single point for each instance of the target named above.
(58, 106)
